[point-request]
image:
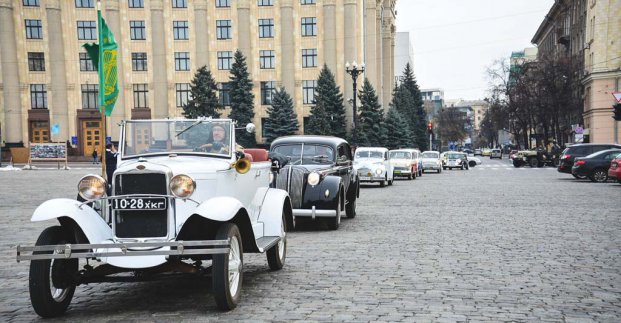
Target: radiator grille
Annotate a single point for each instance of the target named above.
(292, 180)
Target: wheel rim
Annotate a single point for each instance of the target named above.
(234, 266)
(58, 294)
(599, 176)
(338, 211)
(282, 241)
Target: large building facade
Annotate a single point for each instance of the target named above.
(48, 86)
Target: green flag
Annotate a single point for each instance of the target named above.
(108, 73)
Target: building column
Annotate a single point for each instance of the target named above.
(329, 33)
(370, 44)
(379, 57)
(59, 112)
(11, 119)
(387, 56)
(200, 33)
(118, 114)
(160, 79)
(287, 41)
(350, 53)
(243, 33)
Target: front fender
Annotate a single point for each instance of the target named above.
(94, 227)
(315, 196)
(275, 204)
(219, 209)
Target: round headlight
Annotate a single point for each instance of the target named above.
(313, 178)
(92, 187)
(182, 186)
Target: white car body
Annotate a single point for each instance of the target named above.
(430, 162)
(474, 161)
(404, 162)
(373, 165)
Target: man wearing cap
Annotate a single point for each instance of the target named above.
(218, 144)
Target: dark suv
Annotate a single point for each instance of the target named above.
(580, 150)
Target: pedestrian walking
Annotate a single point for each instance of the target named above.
(95, 160)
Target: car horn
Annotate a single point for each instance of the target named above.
(242, 164)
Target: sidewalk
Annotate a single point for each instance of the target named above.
(50, 166)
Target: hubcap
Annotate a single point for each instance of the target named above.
(283, 240)
(600, 176)
(58, 294)
(235, 266)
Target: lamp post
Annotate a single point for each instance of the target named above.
(354, 70)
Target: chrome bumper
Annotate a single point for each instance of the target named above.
(101, 250)
(313, 213)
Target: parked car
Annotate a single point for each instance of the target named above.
(473, 161)
(186, 202)
(455, 159)
(477, 152)
(373, 165)
(615, 169)
(580, 150)
(495, 153)
(404, 163)
(486, 152)
(431, 161)
(319, 177)
(512, 153)
(595, 166)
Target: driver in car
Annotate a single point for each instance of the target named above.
(218, 143)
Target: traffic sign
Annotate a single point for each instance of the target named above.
(617, 96)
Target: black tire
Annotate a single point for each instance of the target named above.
(462, 167)
(333, 224)
(578, 176)
(619, 180)
(439, 171)
(52, 273)
(599, 176)
(350, 208)
(277, 254)
(384, 182)
(533, 162)
(410, 176)
(390, 181)
(444, 168)
(228, 296)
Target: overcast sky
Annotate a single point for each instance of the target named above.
(455, 40)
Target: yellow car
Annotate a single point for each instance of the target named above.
(486, 152)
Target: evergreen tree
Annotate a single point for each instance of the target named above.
(204, 102)
(370, 130)
(416, 116)
(242, 99)
(397, 130)
(328, 115)
(402, 103)
(281, 117)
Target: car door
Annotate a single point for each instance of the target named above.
(344, 164)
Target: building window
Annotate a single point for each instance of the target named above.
(137, 29)
(308, 1)
(183, 94)
(308, 91)
(224, 60)
(182, 61)
(267, 59)
(309, 57)
(266, 28)
(309, 26)
(85, 3)
(223, 3)
(267, 91)
(38, 96)
(179, 3)
(180, 29)
(139, 61)
(30, 3)
(36, 62)
(262, 3)
(33, 29)
(90, 95)
(223, 29)
(86, 65)
(225, 93)
(135, 3)
(87, 30)
(141, 94)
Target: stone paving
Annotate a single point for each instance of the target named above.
(489, 244)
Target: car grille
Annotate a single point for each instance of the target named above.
(139, 223)
(402, 168)
(364, 172)
(292, 180)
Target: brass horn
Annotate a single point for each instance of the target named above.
(242, 165)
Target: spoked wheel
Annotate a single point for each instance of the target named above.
(227, 270)
(51, 280)
(333, 224)
(277, 254)
(599, 176)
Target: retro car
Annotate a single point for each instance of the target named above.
(404, 163)
(319, 177)
(373, 165)
(473, 161)
(431, 161)
(454, 159)
(495, 153)
(181, 201)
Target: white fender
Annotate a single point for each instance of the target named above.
(221, 208)
(91, 223)
(271, 212)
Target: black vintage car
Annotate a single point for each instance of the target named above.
(319, 177)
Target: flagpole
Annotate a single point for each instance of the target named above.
(100, 72)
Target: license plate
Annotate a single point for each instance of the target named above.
(139, 203)
(364, 178)
(397, 172)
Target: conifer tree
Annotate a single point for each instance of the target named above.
(281, 117)
(242, 99)
(328, 115)
(370, 123)
(397, 130)
(402, 103)
(204, 102)
(416, 114)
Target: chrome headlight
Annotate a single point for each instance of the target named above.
(182, 186)
(313, 178)
(379, 171)
(92, 187)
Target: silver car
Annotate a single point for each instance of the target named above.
(496, 153)
(431, 161)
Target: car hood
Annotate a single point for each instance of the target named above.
(314, 168)
(368, 162)
(189, 165)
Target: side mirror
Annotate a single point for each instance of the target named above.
(250, 128)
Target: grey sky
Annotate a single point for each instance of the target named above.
(455, 40)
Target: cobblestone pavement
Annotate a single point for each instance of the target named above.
(490, 244)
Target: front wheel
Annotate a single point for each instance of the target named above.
(51, 280)
(333, 224)
(277, 254)
(533, 162)
(227, 272)
(599, 176)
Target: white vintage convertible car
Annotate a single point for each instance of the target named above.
(182, 200)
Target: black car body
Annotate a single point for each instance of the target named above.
(595, 166)
(328, 159)
(580, 150)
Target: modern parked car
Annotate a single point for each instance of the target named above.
(373, 165)
(495, 153)
(404, 163)
(580, 150)
(319, 177)
(473, 161)
(431, 161)
(455, 159)
(615, 169)
(595, 166)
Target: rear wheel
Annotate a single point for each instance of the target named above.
(227, 270)
(533, 162)
(350, 208)
(277, 254)
(599, 176)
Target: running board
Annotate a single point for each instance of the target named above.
(267, 242)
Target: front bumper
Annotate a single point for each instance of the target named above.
(371, 178)
(431, 166)
(314, 213)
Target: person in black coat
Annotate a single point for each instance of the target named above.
(111, 154)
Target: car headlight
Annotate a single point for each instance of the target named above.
(379, 171)
(92, 187)
(458, 161)
(182, 186)
(313, 178)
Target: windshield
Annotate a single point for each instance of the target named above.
(369, 154)
(455, 156)
(307, 154)
(400, 155)
(211, 137)
(430, 155)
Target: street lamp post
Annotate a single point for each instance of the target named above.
(354, 70)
